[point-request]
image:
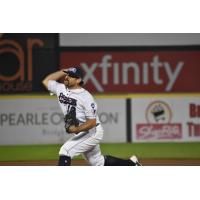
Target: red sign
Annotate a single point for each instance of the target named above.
(158, 131)
(146, 71)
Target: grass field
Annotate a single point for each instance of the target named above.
(123, 150)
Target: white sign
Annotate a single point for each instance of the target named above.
(128, 39)
(40, 121)
(166, 119)
(112, 114)
(31, 121)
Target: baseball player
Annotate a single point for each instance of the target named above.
(81, 120)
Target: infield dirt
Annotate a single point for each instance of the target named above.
(145, 162)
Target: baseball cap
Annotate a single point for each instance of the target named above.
(75, 72)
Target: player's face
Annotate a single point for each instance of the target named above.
(71, 82)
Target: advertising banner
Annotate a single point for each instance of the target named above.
(166, 119)
(137, 71)
(38, 120)
(112, 114)
(31, 121)
(25, 59)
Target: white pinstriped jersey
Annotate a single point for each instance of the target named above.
(87, 142)
(81, 99)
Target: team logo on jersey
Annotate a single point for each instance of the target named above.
(93, 105)
(67, 100)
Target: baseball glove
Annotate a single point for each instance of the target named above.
(70, 119)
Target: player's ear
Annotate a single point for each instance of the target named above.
(79, 80)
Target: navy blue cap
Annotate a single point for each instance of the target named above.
(75, 72)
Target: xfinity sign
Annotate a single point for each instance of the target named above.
(141, 73)
(137, 71)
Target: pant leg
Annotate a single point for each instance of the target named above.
(78, 145)
(94, 156)
(86, 144)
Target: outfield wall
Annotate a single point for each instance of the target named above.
(166, 118)
(115, 65)
(146, 118)
(112, 63)
(38, 120)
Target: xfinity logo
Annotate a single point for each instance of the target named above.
(154, 72)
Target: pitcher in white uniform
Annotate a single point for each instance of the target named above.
(87, 136)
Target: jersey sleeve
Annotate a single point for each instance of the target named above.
(90, 108)
(53, 86)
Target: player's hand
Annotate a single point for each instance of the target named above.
(73, 129)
